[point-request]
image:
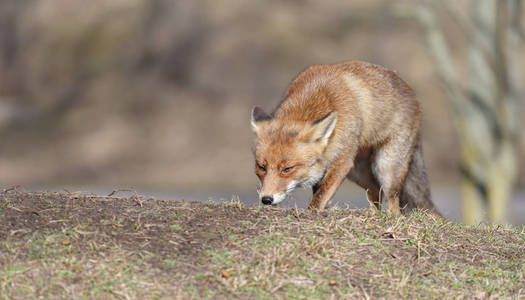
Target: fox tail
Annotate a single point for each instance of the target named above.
(416, 190)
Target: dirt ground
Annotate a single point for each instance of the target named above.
(84, 246)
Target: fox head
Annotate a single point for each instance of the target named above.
(289, 153)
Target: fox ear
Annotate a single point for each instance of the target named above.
(258, 115)
(321, 129)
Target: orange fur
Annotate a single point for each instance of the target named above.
(349, 120)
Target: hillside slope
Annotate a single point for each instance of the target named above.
(83, 246)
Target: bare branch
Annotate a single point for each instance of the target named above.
(468, 27)
(516, 7)
(512, 49)
(441, 54)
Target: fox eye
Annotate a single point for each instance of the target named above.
(260, 167)
(286, 170)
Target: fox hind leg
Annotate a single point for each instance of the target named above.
(390, 167)
(363, 176)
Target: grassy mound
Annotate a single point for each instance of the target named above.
(82, 246)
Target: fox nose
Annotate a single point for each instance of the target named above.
(267, 200)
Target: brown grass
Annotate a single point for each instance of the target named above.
(82, 246)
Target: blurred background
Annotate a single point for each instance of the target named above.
(155, 95)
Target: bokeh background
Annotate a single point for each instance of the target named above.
(156, 95)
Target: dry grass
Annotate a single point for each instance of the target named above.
(81, 246)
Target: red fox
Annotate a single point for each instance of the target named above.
(350, 120)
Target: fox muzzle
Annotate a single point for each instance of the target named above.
(272, 199)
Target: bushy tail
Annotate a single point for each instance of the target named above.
(416, 191)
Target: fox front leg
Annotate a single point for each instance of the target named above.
(335, 175)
